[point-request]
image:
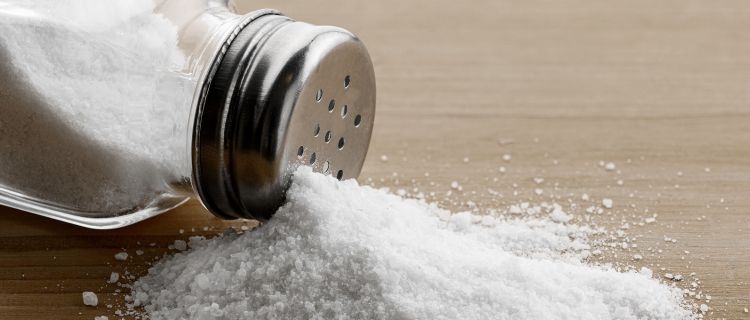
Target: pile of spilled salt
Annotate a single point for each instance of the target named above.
(344, 251)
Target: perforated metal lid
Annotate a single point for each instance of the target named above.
(285, 93)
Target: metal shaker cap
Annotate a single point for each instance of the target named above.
(283, 94)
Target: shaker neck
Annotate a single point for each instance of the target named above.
(258, 104)
(204, 29)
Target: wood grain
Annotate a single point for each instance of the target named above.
(658, 88)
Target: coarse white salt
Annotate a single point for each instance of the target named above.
(338, 250)
(610, 166)
(101, 318)
(704, 308)
(90, 299)
(121, 256)
(607, 203)
(113, 277)
(93, 84)
(180, 245)
(558, 215)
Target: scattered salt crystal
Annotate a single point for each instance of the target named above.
(455, 185)
(669, 276)
(610, 166)
(538, 180)
(139, 252)
(707, 169)
(585, 197)
(607, 203)
(113, 277)
(466, 160)
(101, 318)
(90, 299)
(637, 257)
(704, 308)
(746, 310)
(506, 157)
(558, 215)
(340, 250)
(677, 277)
(501, 169)
(384, 158)
(539, 191)
(121, 256)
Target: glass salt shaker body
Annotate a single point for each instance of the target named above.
(110, 120)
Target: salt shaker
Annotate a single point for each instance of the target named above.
(115, 111)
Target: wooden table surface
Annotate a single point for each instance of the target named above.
(659, 88)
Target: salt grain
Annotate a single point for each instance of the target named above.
(121, 256)
(610, 166)
(180, 245)
(558, 215)
(113, 277)
(455, 185)
(90, 299)
(338, 250)
(607, 203)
